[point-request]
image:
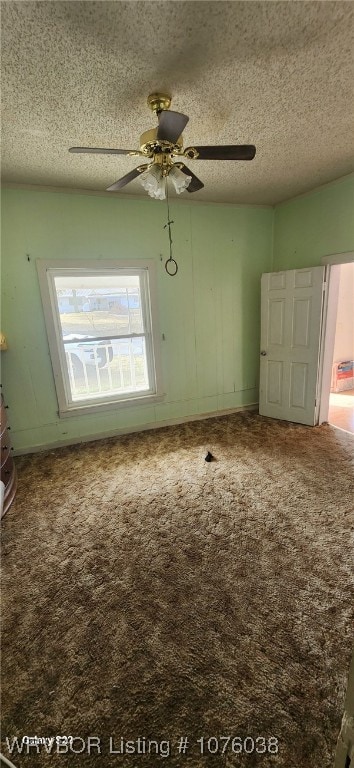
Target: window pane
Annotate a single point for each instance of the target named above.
(99, 305)
(98, 369)
(102, 332)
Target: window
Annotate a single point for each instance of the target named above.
(102, 335)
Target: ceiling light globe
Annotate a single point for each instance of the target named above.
(179, 179)
(153, 181)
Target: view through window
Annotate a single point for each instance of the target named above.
(102, 325)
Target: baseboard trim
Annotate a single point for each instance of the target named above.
(132, 430)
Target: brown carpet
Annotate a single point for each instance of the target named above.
(147, 593)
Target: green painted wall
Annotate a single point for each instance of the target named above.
(316, 225)
(209, 313)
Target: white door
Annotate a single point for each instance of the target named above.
(291, 323)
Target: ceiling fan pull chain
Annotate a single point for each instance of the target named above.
(170, 261)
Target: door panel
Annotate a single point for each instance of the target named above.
(276, 280)
(303, 278)
(291, 317)
(276, 321)
(298, 382)
(274, 382)
(301, 323)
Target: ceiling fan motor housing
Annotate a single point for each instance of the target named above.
(150, 145)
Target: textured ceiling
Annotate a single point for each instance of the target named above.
(278, 75)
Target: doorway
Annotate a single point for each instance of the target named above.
(307, 344)
(337, 398)
(341, 399)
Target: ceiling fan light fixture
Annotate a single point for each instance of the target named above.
(154, 182)
(180, 180)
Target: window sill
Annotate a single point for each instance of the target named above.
(80, 409)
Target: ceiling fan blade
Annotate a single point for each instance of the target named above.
(171, 125)
(227, 152)
(195, 183)
(125, 180)
(99, 151)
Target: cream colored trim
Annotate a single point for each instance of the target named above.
(179, 201)
(122, 195)
(150, 398)
(131, 430)
(330, 310)
(327, 343)
(338, 258)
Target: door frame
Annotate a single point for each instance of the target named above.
(332, 262)
(298, 331)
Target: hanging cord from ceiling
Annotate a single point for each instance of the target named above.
(171, 265)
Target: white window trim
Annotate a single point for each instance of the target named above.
(46, 269)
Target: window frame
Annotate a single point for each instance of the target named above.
(47, 270)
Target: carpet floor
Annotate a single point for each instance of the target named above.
(147, 593)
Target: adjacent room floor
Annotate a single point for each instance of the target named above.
(147, 593)
(341, 410)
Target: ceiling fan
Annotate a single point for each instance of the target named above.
(161, 146)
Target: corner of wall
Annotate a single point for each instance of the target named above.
(313, 225)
